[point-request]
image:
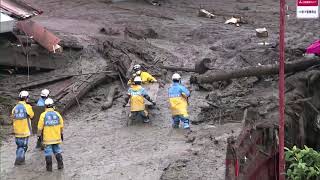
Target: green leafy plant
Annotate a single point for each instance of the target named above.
(302, 164)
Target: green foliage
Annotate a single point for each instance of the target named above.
(302, 164)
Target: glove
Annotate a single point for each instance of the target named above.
(62, 136)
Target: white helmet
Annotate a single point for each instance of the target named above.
(45, 93)
(137, 79)
(23, 94)
(176, 76)
(48, 102)
(136, 67)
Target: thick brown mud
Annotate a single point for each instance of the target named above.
(98, 144)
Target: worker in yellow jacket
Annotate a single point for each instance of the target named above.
(22, 114)
(145, 76)
(50, 126)
(137, 94)
(178, 98)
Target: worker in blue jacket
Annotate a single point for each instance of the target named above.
(41, 103)
(178, 99)
(44, 95)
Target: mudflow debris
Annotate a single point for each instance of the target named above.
(86, 53)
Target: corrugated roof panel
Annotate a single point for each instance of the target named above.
(40, 34)
(19, 9)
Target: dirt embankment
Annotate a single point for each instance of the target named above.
(98, 145)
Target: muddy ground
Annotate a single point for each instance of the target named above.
(98, 145)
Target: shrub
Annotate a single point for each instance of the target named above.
(302, 164)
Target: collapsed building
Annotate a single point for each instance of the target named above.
(240, 99)
(24, 43)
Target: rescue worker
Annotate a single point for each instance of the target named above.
(145, 76)
(22, 114)
(178, 98)
(50, 126)
(44, 95)
(137, 94)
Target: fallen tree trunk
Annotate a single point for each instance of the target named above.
(200, 67)
(254, 71)
(79, 89)
(111, 94)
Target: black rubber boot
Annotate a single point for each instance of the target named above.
(59, 161)
(49, 163)
(146, 119)
(39, 143)
(17, 162)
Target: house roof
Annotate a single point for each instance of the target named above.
(18, 9)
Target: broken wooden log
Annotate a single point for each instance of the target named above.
(254, 71)
(77, 90)
(112, 91)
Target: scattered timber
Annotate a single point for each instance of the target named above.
(254, 71)
(78, 89)
(43, 82)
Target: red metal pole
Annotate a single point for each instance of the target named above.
(281, 91)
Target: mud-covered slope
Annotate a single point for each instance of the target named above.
(98, 145)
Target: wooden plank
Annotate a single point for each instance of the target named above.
(78, 89)
(59, 88)
(152, 90)
(44, 81)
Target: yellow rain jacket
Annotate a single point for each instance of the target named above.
(137, 93)
(51, 125)
(21, 114)
(146, 78)
(178, 99)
